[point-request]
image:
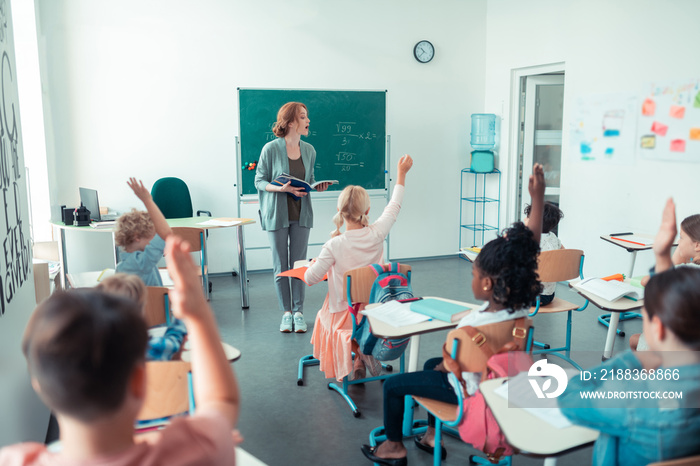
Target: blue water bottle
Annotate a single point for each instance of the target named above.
(483, 136)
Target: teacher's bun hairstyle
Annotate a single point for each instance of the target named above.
(353, 205)
(287, 114)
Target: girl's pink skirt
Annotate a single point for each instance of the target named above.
(332, 342)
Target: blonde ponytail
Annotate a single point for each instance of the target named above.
(353, 202)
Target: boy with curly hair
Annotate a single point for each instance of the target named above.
(142, 237)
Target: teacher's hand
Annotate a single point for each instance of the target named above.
(288, 188)
(322, 187)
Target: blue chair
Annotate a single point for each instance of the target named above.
(447, 415)
(172, 196)
(356, 286)
(557, 266)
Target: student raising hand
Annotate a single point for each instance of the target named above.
(404, 165)
(187, 297)
(139, 189)
(536, 187)
(665, 237)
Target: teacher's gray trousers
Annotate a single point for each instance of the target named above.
(289, 245)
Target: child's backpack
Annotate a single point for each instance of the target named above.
(479, 427)
(389, 285)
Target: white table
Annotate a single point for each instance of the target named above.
(173, 222)
(530, 434)
(615, 308)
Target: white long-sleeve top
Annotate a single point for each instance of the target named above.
(351, 250)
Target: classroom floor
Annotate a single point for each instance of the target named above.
(286, 424)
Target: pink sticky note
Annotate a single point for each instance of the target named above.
(648, 107)
(677, 111)
(659, 128)
(678, 145)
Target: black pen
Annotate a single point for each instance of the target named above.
(622, 234)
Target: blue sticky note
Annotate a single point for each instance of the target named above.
(586, 148)
(611, 133)
(609, 151)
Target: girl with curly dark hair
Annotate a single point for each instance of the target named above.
(504, 275)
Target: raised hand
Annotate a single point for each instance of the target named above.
(536, 184)
(139, 189)
(187, 298)
(405, 164)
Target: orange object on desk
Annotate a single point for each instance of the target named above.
(618, 276)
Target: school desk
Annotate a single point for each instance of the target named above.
(530, 434)
(383, 330)
(615, 307)
(195, 222)
(232, 353)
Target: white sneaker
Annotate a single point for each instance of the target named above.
(299, 323)
(286, 325)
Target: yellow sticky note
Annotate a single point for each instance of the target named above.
(648, 107)
(695, 134)
(677, 111)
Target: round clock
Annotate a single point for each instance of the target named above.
(424, 51)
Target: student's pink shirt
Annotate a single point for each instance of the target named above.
(197, 440)
(353, 249)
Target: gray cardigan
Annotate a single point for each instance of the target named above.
(273, 206)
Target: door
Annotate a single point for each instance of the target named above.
(542, 130)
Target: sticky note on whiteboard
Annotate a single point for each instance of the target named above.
(659, 128)
(678, 145)
(695, 134)
(677, 111)
(648, 107)
(648, 141)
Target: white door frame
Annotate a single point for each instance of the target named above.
(516, 74)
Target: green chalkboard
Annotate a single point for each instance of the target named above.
(348, 131)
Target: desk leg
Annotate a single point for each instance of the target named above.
(610, 339)
(116, 251)
(633, 259)
(62, 259)
(551, 461)
(243, 272)
(413, 348)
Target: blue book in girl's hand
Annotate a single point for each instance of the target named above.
(439, 309)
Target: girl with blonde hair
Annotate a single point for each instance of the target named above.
(361, 244)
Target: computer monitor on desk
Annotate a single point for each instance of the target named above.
(88, 198)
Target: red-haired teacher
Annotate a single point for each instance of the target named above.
(286, 220)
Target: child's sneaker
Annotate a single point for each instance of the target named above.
(299, 323)
(286, 325)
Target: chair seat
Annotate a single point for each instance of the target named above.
(557, 305)
(446, 412)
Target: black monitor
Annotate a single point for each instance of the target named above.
(88, 198)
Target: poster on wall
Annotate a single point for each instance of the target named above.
(603, 128)
(669, 121)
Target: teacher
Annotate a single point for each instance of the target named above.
(286, 220)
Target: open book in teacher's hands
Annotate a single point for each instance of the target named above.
(610, 290)
(285, 178)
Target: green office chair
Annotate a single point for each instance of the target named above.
(172, 196)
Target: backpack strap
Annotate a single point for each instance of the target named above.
(378, 269)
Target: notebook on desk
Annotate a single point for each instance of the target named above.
(88, 198)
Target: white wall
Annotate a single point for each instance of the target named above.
(607, 47)
(149, 89)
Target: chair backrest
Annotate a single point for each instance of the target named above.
(560, 264)
(172, 196)
(470, 357)
(157, 310)
(194, 236)
(167, 389)
(361, 281)
(688, 461)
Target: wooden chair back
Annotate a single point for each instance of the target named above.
(689, 461)
(361, 280)
(470, 357)
(559, 265)
(193, 235)
(167, 389)
(156, 310)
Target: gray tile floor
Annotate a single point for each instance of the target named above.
(286, 424)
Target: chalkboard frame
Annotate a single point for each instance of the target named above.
(246, 153)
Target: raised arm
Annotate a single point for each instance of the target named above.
(162, 228)
(536, 186)
(664, 238)
(215, 386)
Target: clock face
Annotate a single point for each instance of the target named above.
(424, 51)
